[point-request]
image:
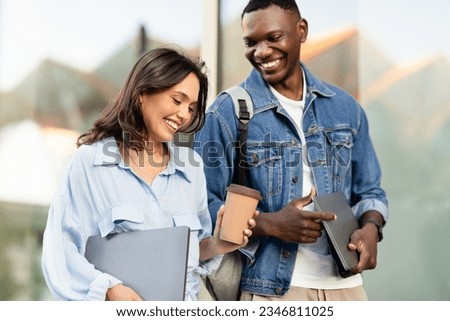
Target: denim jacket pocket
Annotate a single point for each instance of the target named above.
(339, 154)
(121, 218)
(193, 222)
(265, 165)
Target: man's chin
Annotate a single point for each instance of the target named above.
(271, 79)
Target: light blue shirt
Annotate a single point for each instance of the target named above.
(100, 194)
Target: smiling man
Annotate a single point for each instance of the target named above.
(305, 137)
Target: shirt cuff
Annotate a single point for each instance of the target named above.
(250, 250)
(99, 287)
(206, 267)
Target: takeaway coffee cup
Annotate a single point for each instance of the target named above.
(240, 205)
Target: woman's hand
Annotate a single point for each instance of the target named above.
(225, 246)
(214, 245)
(121, 292)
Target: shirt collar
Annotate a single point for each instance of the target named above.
(176, 162)
(107, 153)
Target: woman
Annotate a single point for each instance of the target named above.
(125, 176)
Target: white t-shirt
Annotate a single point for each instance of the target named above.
(314, 267)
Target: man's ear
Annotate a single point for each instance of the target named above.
(302, 26)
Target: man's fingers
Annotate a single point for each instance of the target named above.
(321, 216)
(300, 203)
(326, 216)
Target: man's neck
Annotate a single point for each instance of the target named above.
(292, 88)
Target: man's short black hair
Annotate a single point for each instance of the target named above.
(288, 5)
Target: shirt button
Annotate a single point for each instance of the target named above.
(295, 179)
(286, 254)
(278, 291)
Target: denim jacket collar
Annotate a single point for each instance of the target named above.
(263, 100)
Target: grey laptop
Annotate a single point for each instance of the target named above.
(152, 262)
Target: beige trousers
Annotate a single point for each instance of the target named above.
(304, 294)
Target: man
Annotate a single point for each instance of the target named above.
(305, 135)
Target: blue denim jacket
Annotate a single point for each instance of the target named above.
(339, 151)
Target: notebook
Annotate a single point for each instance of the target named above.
(152, 262)
(339, 230)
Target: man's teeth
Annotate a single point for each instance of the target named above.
(172, 124)
(270, 64)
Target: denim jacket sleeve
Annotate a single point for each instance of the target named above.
(215, 143)
(366, 193)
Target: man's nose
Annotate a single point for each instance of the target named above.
(262, 50)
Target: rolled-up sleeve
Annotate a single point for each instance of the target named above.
(68, 274)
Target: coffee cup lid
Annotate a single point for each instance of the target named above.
(244, 190)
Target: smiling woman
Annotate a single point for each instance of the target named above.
(148, 182)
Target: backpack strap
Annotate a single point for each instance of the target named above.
(243, 106)
(240, 97)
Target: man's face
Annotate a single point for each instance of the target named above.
(273, 38)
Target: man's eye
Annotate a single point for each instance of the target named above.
(275, 38)
(249, 43)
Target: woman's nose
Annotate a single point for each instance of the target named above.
(183, 113)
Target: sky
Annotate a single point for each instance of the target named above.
(83, 33)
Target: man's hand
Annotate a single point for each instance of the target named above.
(365, 241)
(292, 223)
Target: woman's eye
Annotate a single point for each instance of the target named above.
(176, 101)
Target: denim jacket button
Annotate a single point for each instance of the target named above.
(286, 254)
(278, 291)
(295, 179)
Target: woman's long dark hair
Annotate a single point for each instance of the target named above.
(156, 70)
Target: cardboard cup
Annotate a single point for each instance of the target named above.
(240, 205)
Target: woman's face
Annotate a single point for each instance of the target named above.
(168, 111)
